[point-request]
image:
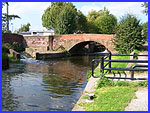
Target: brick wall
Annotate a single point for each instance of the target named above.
(10, 38)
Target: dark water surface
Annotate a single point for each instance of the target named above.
(44, 85)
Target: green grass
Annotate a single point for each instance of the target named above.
(85, 97)
(117, 64)
(110, 99)
(112, 96)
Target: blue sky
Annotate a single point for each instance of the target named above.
(32, 11)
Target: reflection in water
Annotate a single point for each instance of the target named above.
(45, 85)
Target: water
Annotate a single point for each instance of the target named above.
(53, 85)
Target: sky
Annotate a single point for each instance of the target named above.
(32, 11)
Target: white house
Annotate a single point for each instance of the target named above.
(37, 33)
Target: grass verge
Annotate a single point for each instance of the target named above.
(110, 99)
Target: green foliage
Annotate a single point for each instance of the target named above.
(128, 35)
(143, 83)
(145, 30)
(92, 28)
(63, 18)
(81, 22)
(51, 15)
(103, 82)
(145, 5)
(92, 15)
(122, 83)
(89, 73)
(101, 22)
(6, 18)
(24, 28)
(66, 22)
(4, 55)
(67, 53)
(106, 24)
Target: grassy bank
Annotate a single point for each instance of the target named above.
(110, 99)
(112, 96)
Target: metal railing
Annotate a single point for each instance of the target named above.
(108, 67)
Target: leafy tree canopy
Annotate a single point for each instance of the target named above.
(63, 18)
(128, 34)
(101, 22)
(24, 28)
(145, 30)
(6, 18)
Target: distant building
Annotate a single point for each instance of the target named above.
(37, 33)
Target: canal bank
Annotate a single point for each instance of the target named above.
(89, 90)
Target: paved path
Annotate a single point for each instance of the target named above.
(140, 103)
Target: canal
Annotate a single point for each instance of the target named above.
(52, 85)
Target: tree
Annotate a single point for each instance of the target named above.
(92, 15)
(101, 22)
(128, 34)
(145, 30)
(81, 22)
(6, 18)
(106, 23)
(66, 22)
(5, 23)
(145, 5)
(24, 28)
(53, 17)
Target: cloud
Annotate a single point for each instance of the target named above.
(86, 9)
(23, 8)
(119, 9)
(29, 12)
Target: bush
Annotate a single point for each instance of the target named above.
(128, 35)
(145, 31)
(103, 81)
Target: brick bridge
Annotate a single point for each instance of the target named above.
(71, 42)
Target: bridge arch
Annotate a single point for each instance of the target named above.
(76, 40)
(92, 47)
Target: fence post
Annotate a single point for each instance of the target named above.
(102, 64)
(132, 74)
(93, 68)
(110, 61)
